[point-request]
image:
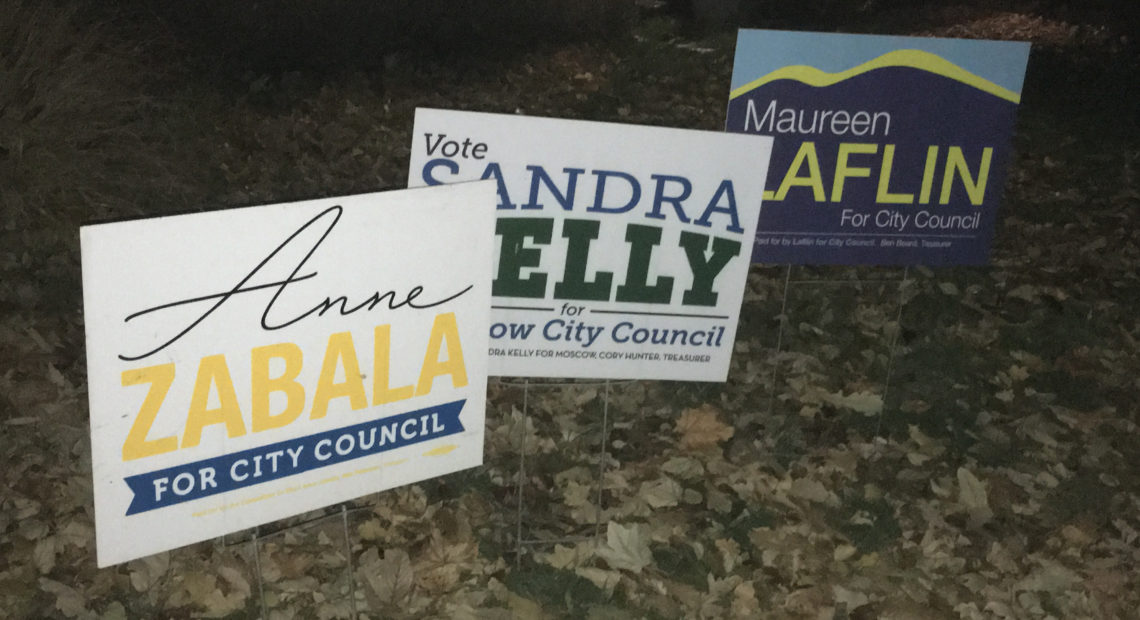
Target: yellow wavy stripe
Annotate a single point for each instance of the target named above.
(915, 59)
(441, 450)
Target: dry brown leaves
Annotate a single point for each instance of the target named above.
(700, 428)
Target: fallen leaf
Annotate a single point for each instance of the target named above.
(867, 403)
(522, 607)
(237, 581)
(701, 428)
(718, 501)
(199, 586)
(1002, 559)
(627, 547)
(114, 611)
(853, 600)
(972, 496)
(1049, 577)
(1026, 292)
(661, 493)
(146, 572)
(68, 600)
(744, 602)
(575, 494)
(43, 555)
(811, 490)
(564, 557)
(371, 530)
(729, 552)
(391, 579)
(1109, 582)
(220, 605)
(684, 467)
(605, 579)
(844, 552)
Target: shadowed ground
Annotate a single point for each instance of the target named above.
(995, 477)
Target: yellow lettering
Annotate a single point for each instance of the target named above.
(956, 162)
(382, 354)
(262, 386)
(843, 171)
(443, 329)
(340, 352)
(928, 175)
(884, 195)
(160, 378)
(213, 374)
(814, 180)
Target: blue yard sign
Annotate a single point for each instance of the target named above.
(888, 150)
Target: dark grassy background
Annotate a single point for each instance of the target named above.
(1023, 374)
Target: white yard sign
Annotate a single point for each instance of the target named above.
(622, 249)
(252, 364)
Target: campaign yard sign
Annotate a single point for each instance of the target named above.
(622, 250)
(889, 150)
(251, 364)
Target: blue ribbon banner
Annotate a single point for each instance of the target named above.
(190, 481)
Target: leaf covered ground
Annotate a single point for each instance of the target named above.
(951, 443)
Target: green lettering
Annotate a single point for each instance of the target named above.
(642, 240)
(579, 234)
(705, 270)
(514, 256)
